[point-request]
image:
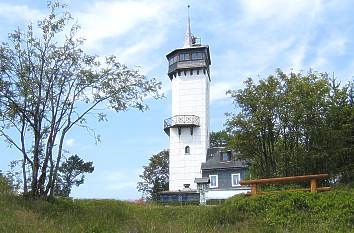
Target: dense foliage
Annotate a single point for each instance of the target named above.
(49, 85)
(295, 124)
(5, 184)
(219, 139)
(154, 178)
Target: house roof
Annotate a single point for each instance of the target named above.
(213, 160)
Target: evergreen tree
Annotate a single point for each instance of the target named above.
(71, 172)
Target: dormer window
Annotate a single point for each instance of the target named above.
(225, 156)
(187, 150)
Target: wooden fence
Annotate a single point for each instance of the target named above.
(311, 178)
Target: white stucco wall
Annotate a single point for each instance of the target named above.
(224, 194)
(190, 96)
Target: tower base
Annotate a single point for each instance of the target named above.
(190, 196)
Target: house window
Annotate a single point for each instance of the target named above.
(225, 156)
(235, 179)
(187, 150)
(213, 181)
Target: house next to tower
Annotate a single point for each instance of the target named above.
(190, 157)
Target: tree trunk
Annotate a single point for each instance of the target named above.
(24, 175)
(55, 172)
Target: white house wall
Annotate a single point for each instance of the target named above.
(223, 194)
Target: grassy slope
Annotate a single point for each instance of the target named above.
(287, 212)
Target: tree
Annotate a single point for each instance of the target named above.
(295, 124)
(155, 176)
(71, 172)
(253, 128)
(48, 85)
(219, 139)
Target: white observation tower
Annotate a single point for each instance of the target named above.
(188, 127)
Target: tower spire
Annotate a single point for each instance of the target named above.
(188, 35)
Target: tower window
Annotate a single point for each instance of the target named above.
(197, 71)
(185, 73)
(184, 56)
(173, 60)
(191, 72)
(187, 150)
(197, 56)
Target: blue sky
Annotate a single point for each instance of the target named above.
(247, 38)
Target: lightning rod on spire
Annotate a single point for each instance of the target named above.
(188, 36)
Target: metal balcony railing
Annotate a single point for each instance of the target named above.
(181, 121)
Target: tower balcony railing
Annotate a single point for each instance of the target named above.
(180, 121)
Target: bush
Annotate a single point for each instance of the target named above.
(5, 185)
(334, 210)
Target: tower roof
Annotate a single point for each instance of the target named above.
(188, 36)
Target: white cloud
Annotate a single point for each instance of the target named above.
(218, 90)
(16, 12)
(280, 26)
(107, 19)
(277, 10)
(139, 52)
(69, 142)
(334, 45)
(267, 34)
(328, 49)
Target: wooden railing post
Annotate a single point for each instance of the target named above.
(254, 189)
(313, 185)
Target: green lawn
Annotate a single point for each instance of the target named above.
(284, 212)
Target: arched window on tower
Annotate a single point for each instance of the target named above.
(187, 150)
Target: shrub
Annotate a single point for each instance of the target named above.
(332, 209)
(5, 185)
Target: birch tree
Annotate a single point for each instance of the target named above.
(49, 85)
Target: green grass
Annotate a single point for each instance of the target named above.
(284, 212)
